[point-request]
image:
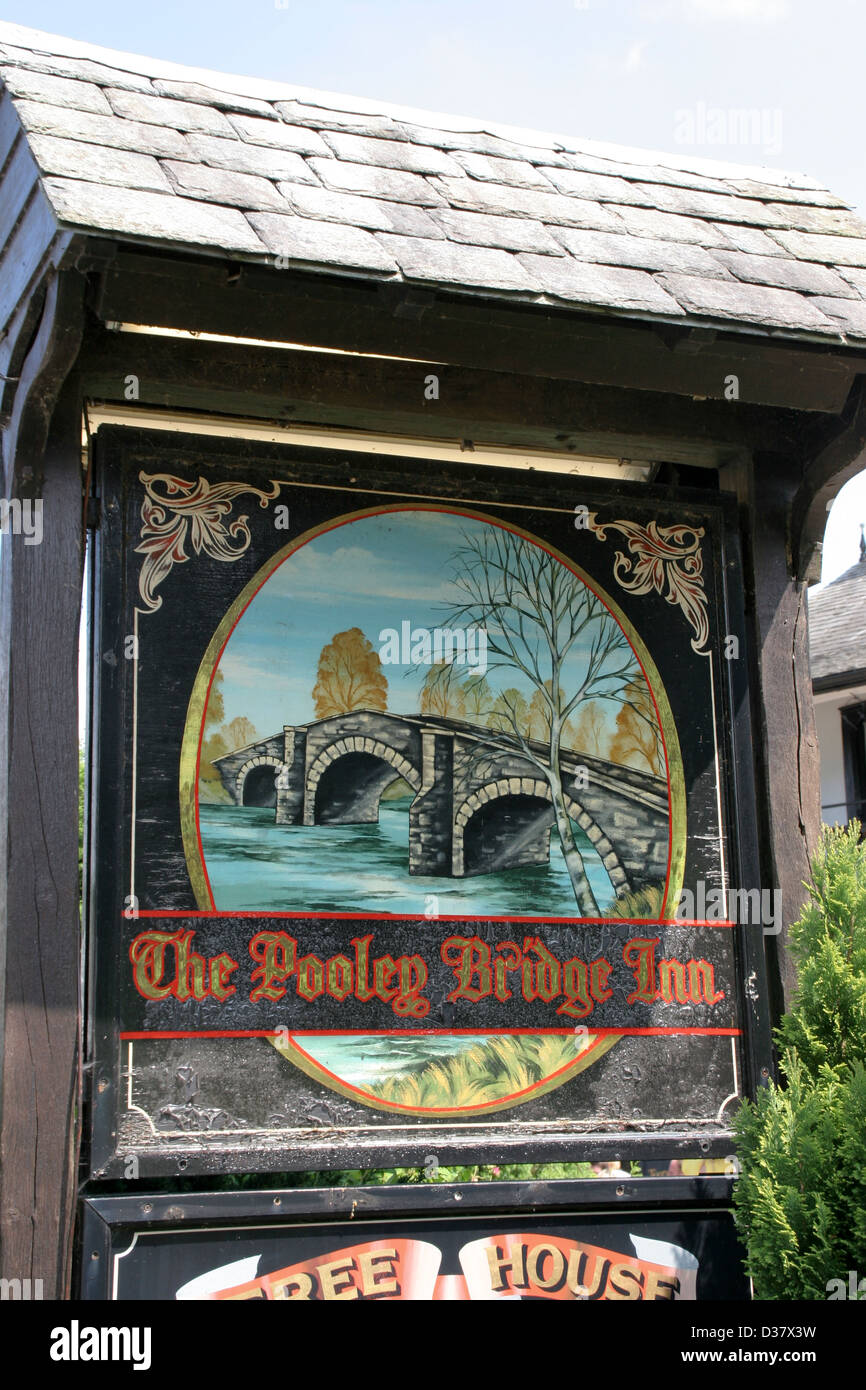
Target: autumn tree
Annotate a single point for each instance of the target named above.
(212, 748)
(213, 744)
(478, 697)
(538, 724)
(350, 676)
(637, 740)
(442, 694)
(537, 615)
(240, 732)
(591, 734)
(216, 710)
(510, 711)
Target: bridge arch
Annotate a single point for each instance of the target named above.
(534, 787)
(343, 747)
(260, 761)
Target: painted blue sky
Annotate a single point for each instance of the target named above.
(373, 573)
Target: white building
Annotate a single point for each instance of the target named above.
(837, 647)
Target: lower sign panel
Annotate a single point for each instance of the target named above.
(588, 1255)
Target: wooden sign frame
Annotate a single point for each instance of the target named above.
(188, 538)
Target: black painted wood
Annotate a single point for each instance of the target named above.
(39, 826)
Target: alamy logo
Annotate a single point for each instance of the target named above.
(22, 518)
(77, 1343)
(20, 1290)
(713, 125)
(855, 1289)
(745, 906)
(420, 646)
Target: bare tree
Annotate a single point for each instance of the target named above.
(537, 614)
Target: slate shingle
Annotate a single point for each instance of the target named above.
(449, 263)
(837, 625)
(278, 134)
(391, 184)
(164, 112)
(83, 68)
(226, 186)
(603, 285)
(152, 216)
(728, 299)
(669, 226)
(327, 206)
(355, 211)
(490, 169)
(471, 195)
(614, 248)
(832, 221)
(207, 96)
(852, 275)
(478, 142)
(249, 159)
(58, 91)
(602, 187)
(830, 250)
(849, 313)
(750, 240)
(326, 243)
(408, 220)
(98, 164)
(508, 233)
(389, 154)
(776, 193)
(645, 172)
(326, 118)
(721, 207)
(785, 274)
(42, 119)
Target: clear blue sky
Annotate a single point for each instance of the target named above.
(634, 72)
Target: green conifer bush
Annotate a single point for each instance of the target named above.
(800, 1200)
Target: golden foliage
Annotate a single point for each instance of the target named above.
(442, 693)
(350, 676)
(591, 734)
(215, 713)
(510, 712)
(637, 741)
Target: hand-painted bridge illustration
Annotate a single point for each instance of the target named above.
(477, 807)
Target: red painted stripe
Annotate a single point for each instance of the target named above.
(438, 1032)
(387, 918)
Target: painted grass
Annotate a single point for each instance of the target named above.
(641, 902)
(491, 1070)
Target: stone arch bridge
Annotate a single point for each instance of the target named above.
(474, 810)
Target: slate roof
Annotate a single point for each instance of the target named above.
(148, 151)
(837, 627)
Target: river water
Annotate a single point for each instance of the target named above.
(255, 865)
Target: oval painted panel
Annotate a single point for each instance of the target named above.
(408, 714)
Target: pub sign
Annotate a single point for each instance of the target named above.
(419, 808)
